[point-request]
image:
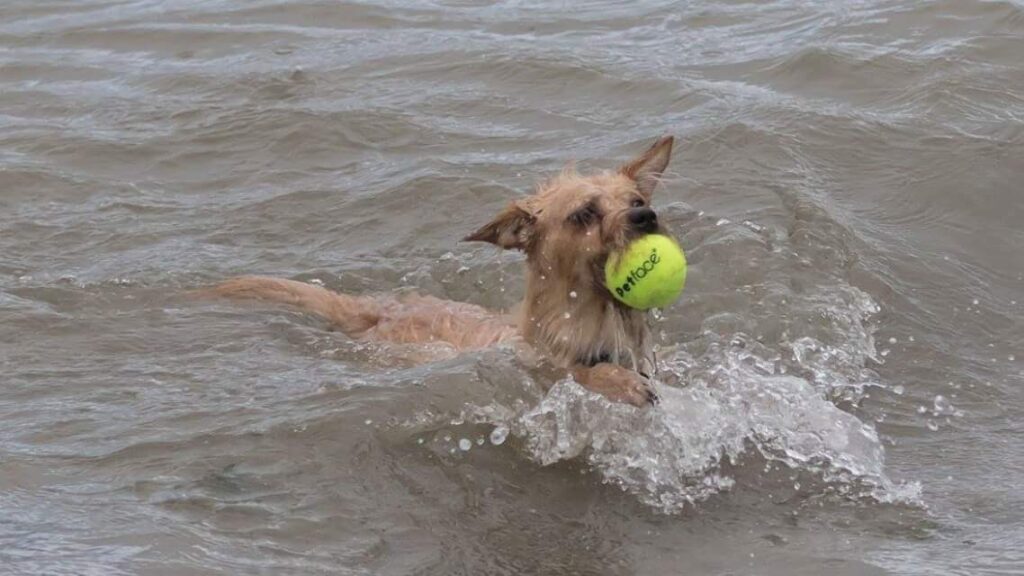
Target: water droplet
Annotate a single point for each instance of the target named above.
(911, 339)
(480, 441)
(884, 352)
(572, 294)
(941, 405)
(921, 409)
(898, 389)
(892, 340)
(1011, 357)
(975, 301)
(498, 435)
(465, 444)
(368, 422)
(722, 221)
(447, 437)
(932, 425)
(566, 315)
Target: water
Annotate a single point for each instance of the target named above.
(841, 385)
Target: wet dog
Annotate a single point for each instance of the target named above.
(567, 229)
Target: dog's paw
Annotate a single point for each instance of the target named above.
(617, 384)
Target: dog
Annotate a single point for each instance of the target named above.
(567, 229)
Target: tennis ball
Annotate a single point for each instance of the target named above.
(649, 273)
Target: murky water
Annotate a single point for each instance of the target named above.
(843, 374)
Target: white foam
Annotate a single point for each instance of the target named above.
(735, 399)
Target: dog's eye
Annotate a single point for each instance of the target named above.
(584, 216)
(637, 203)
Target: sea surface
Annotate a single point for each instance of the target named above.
(842, 381)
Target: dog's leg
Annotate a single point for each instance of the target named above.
(615, 383)
(354, 315)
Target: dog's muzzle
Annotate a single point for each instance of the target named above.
(643, 220)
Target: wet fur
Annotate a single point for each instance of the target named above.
(567, 229)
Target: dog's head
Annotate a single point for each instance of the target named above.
(572, 223)
(567, 230)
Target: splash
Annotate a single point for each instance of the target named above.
(734, 398)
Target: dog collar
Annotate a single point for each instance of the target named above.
(595, 359)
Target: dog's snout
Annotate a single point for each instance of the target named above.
(643, 219)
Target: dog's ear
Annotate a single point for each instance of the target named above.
(647, 168)
(512, 228)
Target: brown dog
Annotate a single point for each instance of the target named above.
(567, 229)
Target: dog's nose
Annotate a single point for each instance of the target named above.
(643, 219)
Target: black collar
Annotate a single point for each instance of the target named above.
(596, 359)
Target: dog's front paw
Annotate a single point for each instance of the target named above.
(617, 384)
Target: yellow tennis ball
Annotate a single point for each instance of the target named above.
(649, 273)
